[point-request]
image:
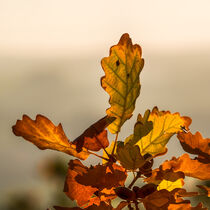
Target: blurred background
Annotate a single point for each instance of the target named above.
(50, 54)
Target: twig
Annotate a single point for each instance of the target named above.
(92, 153)
(134, 180)
(115, 142)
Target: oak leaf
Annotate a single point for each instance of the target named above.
(121, 80)
(189, 167)
(103, 176)
(102, 206)
(164, 200)
(158, 175)
(195, 144)
(45, 135)
(169, 185)
(74, 190)
(165, 125)
(185, 206)
(129, 156)
(95, 137)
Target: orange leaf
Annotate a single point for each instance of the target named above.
(158, 175)
(95, 137)
(45, 135)
(195, 144)
(92, 185)
(189, 167)
(185, 206)
(74, 190)
(164, 200)
(102, 206)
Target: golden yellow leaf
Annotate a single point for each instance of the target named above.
(121, 80)
(45, 135)
(165, 125)
(169, 185)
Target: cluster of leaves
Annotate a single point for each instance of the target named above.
(96, 186)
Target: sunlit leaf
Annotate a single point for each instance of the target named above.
(141, 128)
(121, 80)
(95, 137)
(165, 125)
(74, 190)
(158, 175)
(189, 167)
(195, 144)
(45, 135)
(164, 200)
(169, 185)
(185, 206)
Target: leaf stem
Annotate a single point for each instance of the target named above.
(115, 142)
(134, 180)
(92, 153)
(136, 205)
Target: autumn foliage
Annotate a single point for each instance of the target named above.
(96, 186)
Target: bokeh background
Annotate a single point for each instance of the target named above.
(50, 54)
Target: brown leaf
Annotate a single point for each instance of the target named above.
(125, 193)
(45, 135)
(158, 175)
(159, 200)
(205, 188)
(195, 144)
(103, 176)
(185, 206)
(192, 168)
(102, 206)
(164, 200)
(95, 137)
(74, 190)
(145, 190)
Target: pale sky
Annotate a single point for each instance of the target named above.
(82, 27)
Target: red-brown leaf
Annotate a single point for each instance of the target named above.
(74, 190)
(95, 137)
(103, 176)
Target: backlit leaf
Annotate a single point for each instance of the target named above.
(169, 185)
(189, 167)
(195, 144)
(95, 137)
(141, 128)
(103, 176)
(74, 190)
(158, 175)
(129, 156)
(165, 125)
(121, 80)
(185, 206)
(45, 135)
